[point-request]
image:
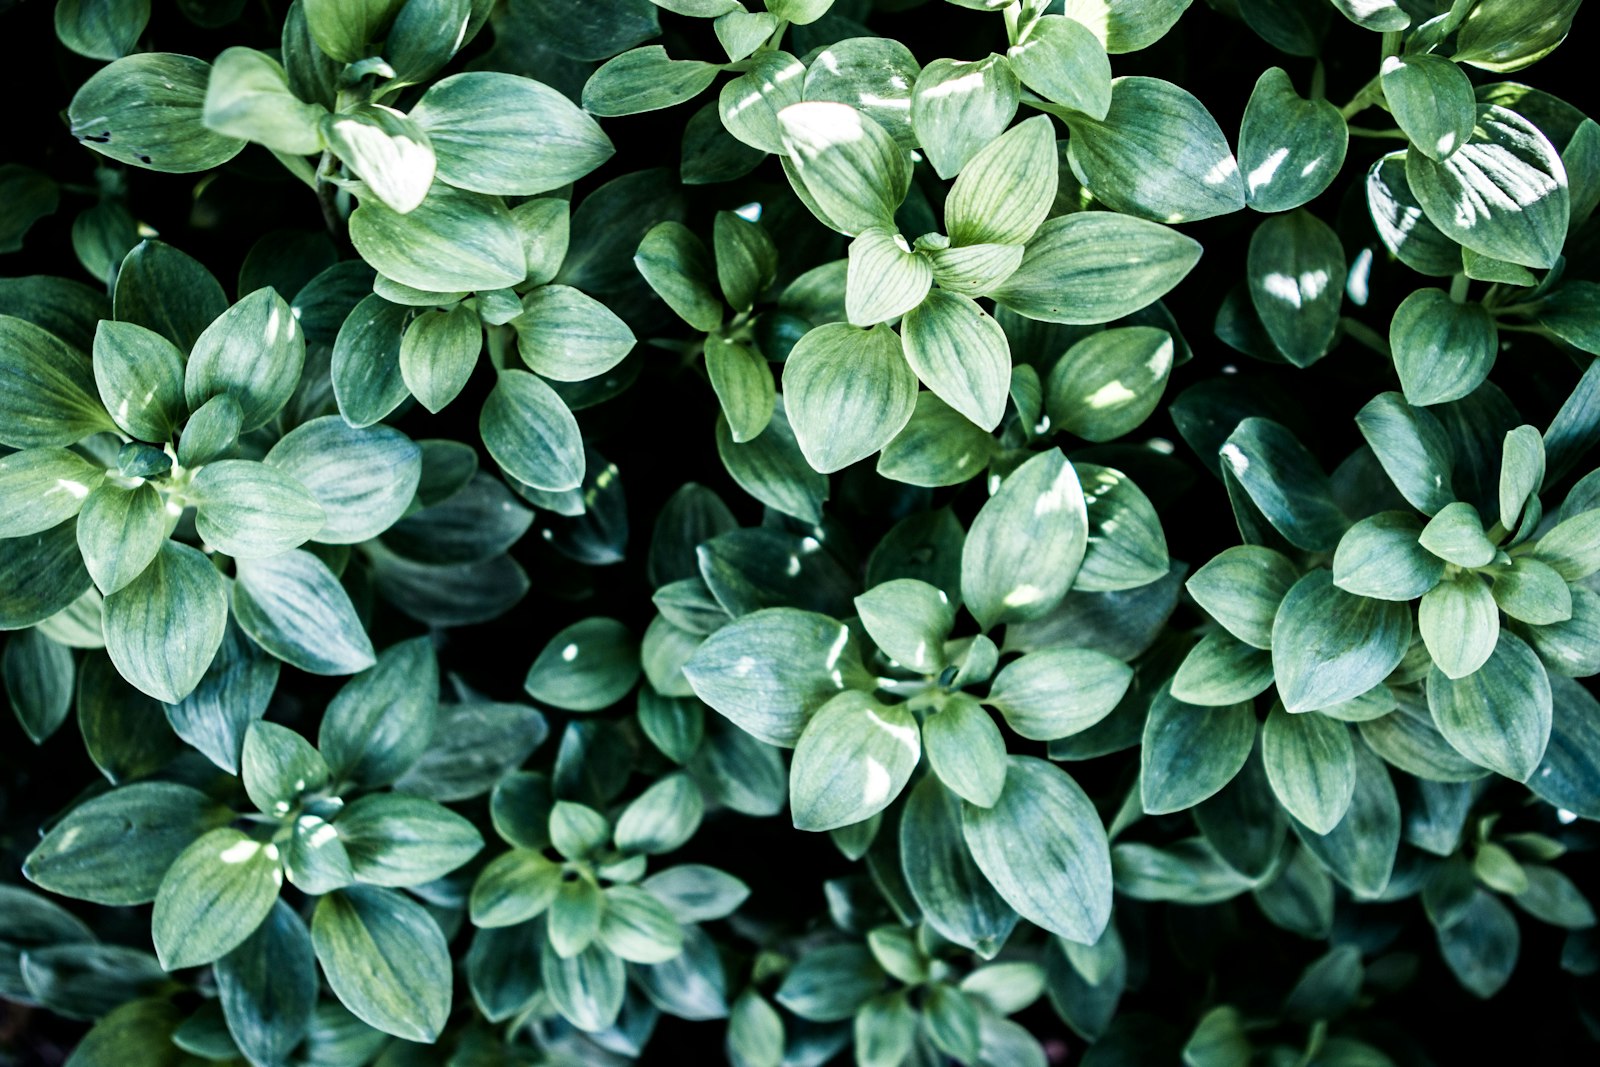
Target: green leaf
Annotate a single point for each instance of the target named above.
(1572, 547)
(43, 487)
(1127, 548)
(1456, 535)
(1532, 592)
(217, 892)
(1058, 692)
(279, 767)
(1063, 61)
(938, 446)
(233, 693)
(849, 165)
(800, 12)
(946, 884)
(1401, 223)
(1290, 148)
(248, 98)
(114, 848)
(961, 354)
(567, 336)
(381, 722)
(210, 432)
(268, 987)
(253, 352)
(749, 104)
(145, 1025)
(292, 606)
(453, 241)
(396, 840)
(531, 433)
(1095, 266)
(909, 620)
(101, 29)
(958, 108)
(772, 468)
(1109, 382)
(974, 270)
(1500, 716)
(1285, 482)
(1502, 194)
(146, 111)
(1043, 848)
(661, 819)
(344, 29)
(747, 260)
(1006, 188)
(1157, 154)
(363, 478)
(1442, 350)
(250, 510)
(743, 383)
(1220, 670)
(645, 79)
(1360, 850)
(386, 150)
(1241, 588)
(588, 666)
(40, 575)
(1413, 448)
(513, 888)
(1481, 945)
(586, 989)
(1295, 272)
(1432, 102)
(385, 959)
(1459, 624)
(1503, 36)
(140, 377)
(1311, 765)
(1380, 557)
(1330, 646)
(848, 392)
(885, 278)
(769, 671)
(438, 353)
(1026, 544)
(49, 395)
(164, 627)
(1191, 752)
(1551, 897)
(674, 261)
(476, 124)
(38, 681)
(851, 761)
(966, 751)
(638, 927)
(1522, 471)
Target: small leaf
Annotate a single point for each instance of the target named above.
(961, 354)
(1290, 149)
(385, 959)
(1499, 716)
(1026, 544)
(164, 627)
(225, 876)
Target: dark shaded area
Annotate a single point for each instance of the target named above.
(659, 434)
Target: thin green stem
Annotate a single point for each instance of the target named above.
(1365, 97)
(1393, 134)
(1363, 334)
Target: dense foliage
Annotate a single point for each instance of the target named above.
(877, 531)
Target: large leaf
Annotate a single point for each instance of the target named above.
(1499, 716)
(293, 606)
(1095, 266)
(1290, 148)
(145, 110)
(1310, 762)
(453, 241)
(479, 124)
(1158, 154)
(385, 959)
(1190, 752)
(1502, 194)
(47, 390)
(214, 895)
(1329, 646)
(1043, 848)
(961, 354)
